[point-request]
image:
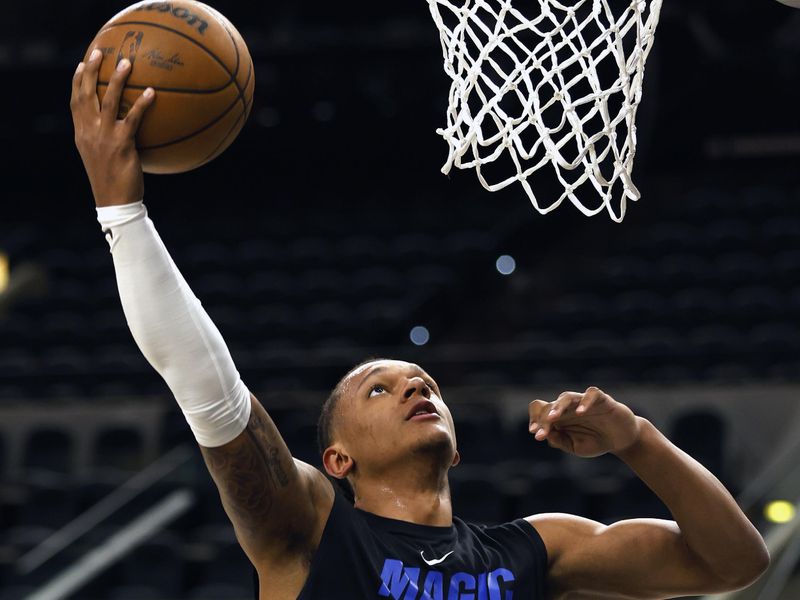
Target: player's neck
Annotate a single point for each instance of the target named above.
(407, 495)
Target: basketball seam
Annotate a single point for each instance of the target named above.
(192, 40)
(238, 63)
(222, 144)
(202, 129)
(171, 90)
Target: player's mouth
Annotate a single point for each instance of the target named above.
(424, 410)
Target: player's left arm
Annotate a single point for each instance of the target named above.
(710, 547)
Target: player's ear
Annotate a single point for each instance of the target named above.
(337, 462)
(456, 459)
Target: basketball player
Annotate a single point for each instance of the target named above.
(387, 431)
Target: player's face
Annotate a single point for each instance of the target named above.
(391, 409)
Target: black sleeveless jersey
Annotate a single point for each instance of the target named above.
(366, 557)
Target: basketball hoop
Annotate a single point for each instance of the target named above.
(558, 88)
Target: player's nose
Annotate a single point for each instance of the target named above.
(416, 386)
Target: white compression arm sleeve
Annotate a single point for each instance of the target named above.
(172, 329)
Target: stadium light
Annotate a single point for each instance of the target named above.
(4, 272)
(505, 264)
(420, 335)
(780, 511)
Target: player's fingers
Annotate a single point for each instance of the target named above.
(590, 398)
(535, 414)
(76, 85)
(110, 105)
(561, 441)
(564, 403)
(89, 78)
(134, 117)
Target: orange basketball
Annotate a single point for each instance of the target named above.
(200, 68)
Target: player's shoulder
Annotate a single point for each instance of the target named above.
(562, 521)
(559, 531)
(519, 533)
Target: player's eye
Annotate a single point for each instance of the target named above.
(376, 389)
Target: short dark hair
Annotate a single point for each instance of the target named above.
(325, 422)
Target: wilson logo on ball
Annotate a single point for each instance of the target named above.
(177, 11)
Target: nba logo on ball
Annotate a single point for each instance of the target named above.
(201, 71)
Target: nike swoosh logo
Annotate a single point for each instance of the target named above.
(435, 561)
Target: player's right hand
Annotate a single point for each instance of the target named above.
(107, 144)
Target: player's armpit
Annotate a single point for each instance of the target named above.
(276, 504)
(637, 558)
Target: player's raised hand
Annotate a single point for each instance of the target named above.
(105, 139)
(587, 424)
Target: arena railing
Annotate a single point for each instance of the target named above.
(127, 538)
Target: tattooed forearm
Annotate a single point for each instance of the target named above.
(250, 471)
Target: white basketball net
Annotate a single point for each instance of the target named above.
(559, 87)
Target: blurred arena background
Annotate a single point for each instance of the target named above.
(327, 234)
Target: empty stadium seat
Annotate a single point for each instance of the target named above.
(518, 445)
(727, 373)
(17, 362)
(120, 449)
(462, 244)
(137, 592)
(555, 492)
(739, 268)
(637, 307)
(697, 304)
(752, 303)
(360, 249)
(480, 428)
(761, 200)
(15, 592)
(253, 255)
(61, 327)
(415, 247)
(714, 340)
(475, 496)
(781, 232)
(204, 257)
(623, 272)
(217, 287)
(680, 270)
(48, 450)
(673, 236)
(785, 267)
(50, 506)
(775, 338)
(109, 325)
(578, 309)
(268, 286)
(702, 434)
(300, 434)
(159, 559)
(669, 372)
(311, 251)
(23, 538)
(227, 563)
(273, 320)
(655, 343)
(727, 234)
(595, 344)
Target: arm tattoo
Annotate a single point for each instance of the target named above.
(249, 471)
